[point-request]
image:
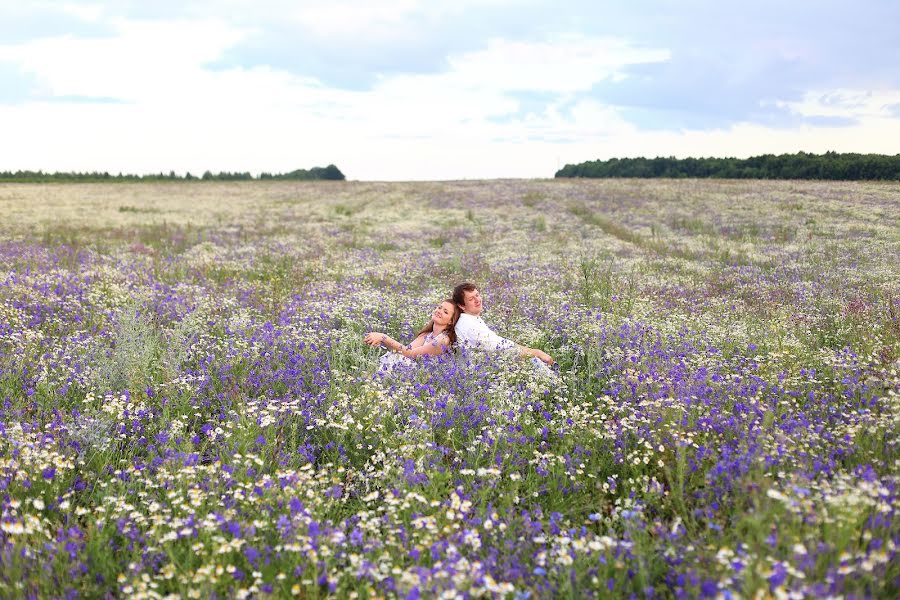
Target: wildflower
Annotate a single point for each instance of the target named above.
(12, 527)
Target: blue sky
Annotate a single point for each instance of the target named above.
(439, 89)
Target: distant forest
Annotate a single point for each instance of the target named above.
(330, 172)
(802, 165)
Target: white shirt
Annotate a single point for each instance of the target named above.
(473, 332)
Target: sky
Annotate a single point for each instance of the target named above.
(439, 89)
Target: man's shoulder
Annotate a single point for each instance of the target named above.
(466, 319)
(472, 325)
(468, 326)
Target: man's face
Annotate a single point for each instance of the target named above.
(472, 303)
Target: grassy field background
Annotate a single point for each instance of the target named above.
(189, 410)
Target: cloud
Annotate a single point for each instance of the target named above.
(18, 86)
(353, 19)
(141, 61)
(352, 44)
(561, 64)
(732, 64)
(426, 90)
(846, 103)
(24, 21)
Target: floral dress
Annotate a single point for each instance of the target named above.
(392, 360)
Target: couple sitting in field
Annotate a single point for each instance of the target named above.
(456, 320)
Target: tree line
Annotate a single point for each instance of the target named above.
(802, 165)
(330, 172)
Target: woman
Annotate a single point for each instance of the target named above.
(437, 337)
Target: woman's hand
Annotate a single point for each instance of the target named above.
(375, 338)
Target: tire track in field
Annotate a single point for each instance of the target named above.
(621, 232)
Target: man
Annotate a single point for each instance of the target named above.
(472, 331)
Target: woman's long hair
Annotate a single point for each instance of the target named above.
(450, 331)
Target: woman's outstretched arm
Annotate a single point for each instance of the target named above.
(416, 348)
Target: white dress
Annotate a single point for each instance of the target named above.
(392, 360)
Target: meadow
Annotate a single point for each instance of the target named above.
(188, 410)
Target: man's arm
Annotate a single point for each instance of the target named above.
(539, 354)
(479, 334)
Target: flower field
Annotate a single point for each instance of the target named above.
(187, 408)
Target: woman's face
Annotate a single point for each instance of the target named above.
(443, 314)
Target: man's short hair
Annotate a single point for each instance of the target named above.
(459, 292)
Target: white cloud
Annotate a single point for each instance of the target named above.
(363, 19)
(85, 11)
(856, 104)
(159, 68)
(144, 62)
(130, 139)
(342, 17)
(562, 64)
(471, 100)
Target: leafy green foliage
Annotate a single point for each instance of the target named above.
(331, 173)
(831, 166)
